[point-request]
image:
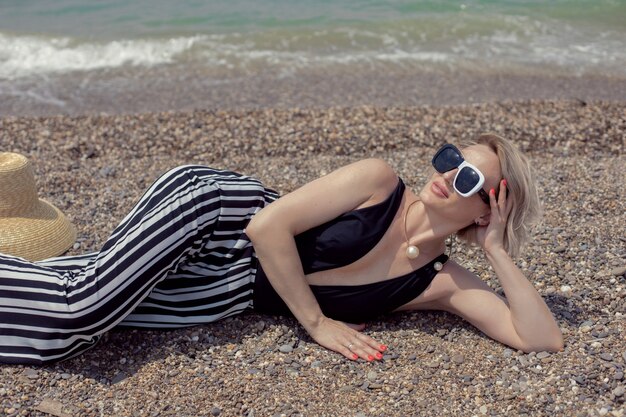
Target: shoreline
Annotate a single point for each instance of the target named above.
(163, 89)
(94, 167)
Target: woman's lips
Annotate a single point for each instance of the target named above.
(437, 189)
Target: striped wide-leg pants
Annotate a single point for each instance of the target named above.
(179, 258)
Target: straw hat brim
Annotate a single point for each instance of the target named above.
(44, 233)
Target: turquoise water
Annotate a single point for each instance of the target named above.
(110, 19)
(48, 36)
(221, 41)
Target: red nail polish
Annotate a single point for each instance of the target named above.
(383, 348)
(379, 355)
(504, 182)
(370, 358)
(492, 191)
(354, 356)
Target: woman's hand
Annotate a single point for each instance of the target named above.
(491, 237)
(347, 340)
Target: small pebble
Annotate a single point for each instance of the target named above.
(31, 373)
(458, 359)
(121, 376)
(618, 271)
(286, 348)
(543, 354)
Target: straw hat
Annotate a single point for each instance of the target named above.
(30, 228)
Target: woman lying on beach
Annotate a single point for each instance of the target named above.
(203, 244)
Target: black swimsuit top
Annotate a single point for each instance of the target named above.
(340, 242)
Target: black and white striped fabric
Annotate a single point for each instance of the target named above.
(179, 258)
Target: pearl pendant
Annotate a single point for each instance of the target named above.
(412, 252)
(438, 266)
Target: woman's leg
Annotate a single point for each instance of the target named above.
(49, 311)
(217, 281)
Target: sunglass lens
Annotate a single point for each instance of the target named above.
(447, 159)
(466, 179)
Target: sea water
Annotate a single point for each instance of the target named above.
(103, 44)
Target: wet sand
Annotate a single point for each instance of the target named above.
(165, 89)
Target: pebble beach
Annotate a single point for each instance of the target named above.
(95, 167)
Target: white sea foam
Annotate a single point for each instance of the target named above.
(519, 42)
(28, 55)
(547, 44)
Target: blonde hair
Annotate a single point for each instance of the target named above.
(520, 179)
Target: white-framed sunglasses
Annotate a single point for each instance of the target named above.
(468, 179)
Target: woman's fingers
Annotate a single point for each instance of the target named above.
(509, 202)
(373, 344)
(499, 202)
(366, 347)
(346, 340)
(502, 200)
(493, 202)
(348, 353)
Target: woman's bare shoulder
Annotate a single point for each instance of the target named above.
(380, 175)
(344, 189)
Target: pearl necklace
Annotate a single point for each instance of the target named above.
(412, 251)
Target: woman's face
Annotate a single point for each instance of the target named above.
(438, 194)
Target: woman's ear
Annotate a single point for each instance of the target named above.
(483, 220)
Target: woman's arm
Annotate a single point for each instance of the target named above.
(523, 320)
(272, 233)
(532, 319)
